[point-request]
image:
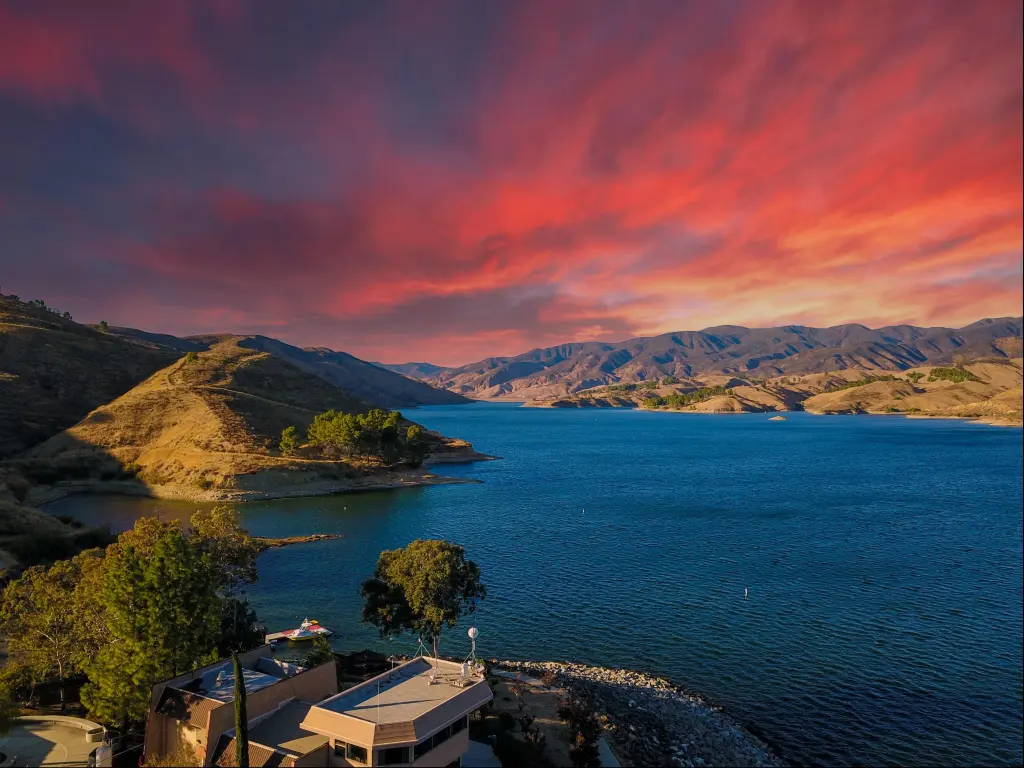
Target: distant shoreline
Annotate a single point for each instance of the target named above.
(988, 421)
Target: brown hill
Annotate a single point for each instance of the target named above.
(53, 371)
(557, 372)
(984, 389)
(209, 428)
(988, 390)
(372, 382)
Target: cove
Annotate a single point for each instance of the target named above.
(881, 558)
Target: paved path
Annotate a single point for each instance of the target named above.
(30, 743)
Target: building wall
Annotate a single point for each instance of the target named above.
(167, 736)
(316, 759)
(451, 750)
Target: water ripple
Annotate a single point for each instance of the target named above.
(883, 560)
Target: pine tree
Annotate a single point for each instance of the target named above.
(164, 617)
(241, 721)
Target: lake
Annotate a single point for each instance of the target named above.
(881, 558)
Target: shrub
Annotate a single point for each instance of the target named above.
(103, 326)
(511, 752)
(585, 731)
(190, 357)
(690, 398)
(669, 380)
(506, 721)
(951, 374)
(915, 376)
(289, 440)
(859, 382)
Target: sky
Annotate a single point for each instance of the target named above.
(450, 181)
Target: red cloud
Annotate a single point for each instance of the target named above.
(593, 175)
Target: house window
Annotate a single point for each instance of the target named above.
(393, 756)
(339, 748)
(441, 736)
(357, 753)
(460, 724)
(422, 748)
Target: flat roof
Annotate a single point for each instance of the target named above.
(219, 683)
(401, 695)
(282, 731)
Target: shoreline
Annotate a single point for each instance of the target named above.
(651, 720)
(41, 495)
(991, 421)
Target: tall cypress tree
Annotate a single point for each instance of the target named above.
(241, 721)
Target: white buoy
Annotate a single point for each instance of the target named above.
(744, 593)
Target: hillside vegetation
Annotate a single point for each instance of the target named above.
(988, 390)
(210, 426)
(53, 371)
(765, 353)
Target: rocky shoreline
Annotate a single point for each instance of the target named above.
(649, 720)
(265, 543)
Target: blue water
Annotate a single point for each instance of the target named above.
(883, 559)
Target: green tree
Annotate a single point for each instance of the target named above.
(103, 326)
(163, 614)
(239, 628)
(38, 619)
(219, 533)
(241, 720)
(421, 588)
(289, 440)
(321, 653)
(416, 448)
(190, 357)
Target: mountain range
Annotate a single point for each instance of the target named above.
(563, 370)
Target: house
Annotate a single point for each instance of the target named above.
(415, 714)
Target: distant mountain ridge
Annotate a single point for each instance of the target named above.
(418, 371)
(792, 349)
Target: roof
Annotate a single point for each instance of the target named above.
(282, 731)
(187, 707)
(259, 756)
(219, 682)
(402, 695)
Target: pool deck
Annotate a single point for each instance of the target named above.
(45, 743)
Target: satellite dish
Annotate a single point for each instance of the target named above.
(472, 633)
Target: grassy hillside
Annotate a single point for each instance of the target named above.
(369, 381)
(208, 426)
(989, 390)
(54, 371)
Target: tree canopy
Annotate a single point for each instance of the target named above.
(422, 588)
(160, 600)
(377, 434)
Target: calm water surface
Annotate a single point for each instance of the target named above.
(883, 559)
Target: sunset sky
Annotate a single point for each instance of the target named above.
(448, 181)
